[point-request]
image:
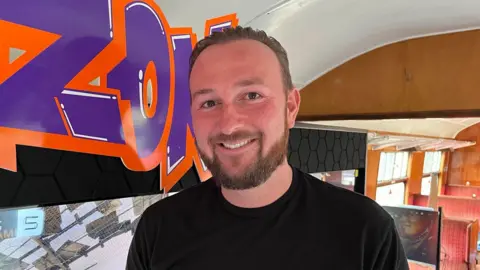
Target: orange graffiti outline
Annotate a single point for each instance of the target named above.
(100, 66)
(168, 180)
(219, 20)
(32, 41)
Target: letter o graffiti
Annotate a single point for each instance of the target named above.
(117, 86)
(144, 76)
(150, 90)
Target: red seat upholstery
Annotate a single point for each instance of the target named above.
(417, 266)
(445, 265)
(453, 206)
(464, 191)
(454, 239)
(457, 249)
(459, 233)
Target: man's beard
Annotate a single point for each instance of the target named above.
(254, 174)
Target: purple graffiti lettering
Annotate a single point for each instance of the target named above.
(146, 41)
(27, 98)
(79, 105)
(220, 27)
(138, 71)
(176, 148)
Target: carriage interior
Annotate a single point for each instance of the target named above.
(389, 110)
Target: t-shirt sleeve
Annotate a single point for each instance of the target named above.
(391, 254)
(141, 247)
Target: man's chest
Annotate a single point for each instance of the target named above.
(255, 245)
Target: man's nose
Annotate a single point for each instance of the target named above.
(231, 119)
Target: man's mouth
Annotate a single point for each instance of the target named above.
(236, 145)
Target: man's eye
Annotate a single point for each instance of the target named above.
(208, 104)
(253, 95)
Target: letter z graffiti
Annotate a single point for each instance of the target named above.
(105, 77)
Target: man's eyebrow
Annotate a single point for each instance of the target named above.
(201, 92)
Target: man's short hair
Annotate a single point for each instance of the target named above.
(246, 33)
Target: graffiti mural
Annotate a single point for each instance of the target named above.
(105, 77)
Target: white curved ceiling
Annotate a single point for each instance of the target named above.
(432, 127)
(320, 35)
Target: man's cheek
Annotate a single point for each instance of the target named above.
(204, 146)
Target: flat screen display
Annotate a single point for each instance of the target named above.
(418, 228)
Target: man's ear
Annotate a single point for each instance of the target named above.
(293, 105)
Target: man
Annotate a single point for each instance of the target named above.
(257, 212)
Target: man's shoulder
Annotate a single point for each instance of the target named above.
(344, 202)
(184, 201)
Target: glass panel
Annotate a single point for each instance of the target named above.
(436, 162)
(348, 178)
(397, 166)
(393, 165)
(318, 175)
(343, 179)
(405, 164)
(427, 162)
(389, 168)
(382, 167)
(426, 184)
(391, 195)
(432, 162)
(87, 235)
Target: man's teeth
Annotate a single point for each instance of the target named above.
(236, 145)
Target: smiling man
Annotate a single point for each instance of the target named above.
(257, 212)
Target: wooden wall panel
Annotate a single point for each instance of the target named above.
(429, 76)
(465, 162)
(373, 162)
(444, 170)
(415, 173)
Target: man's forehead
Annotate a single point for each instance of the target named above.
(236, 63)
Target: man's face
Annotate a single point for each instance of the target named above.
(241, 113)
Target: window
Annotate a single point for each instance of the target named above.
(393, 166)
(391, 195)
(432, 162)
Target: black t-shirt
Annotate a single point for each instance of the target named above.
(314, 225)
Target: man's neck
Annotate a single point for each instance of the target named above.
(270, 191)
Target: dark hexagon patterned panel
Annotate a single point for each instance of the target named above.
(48, 176)
(112, 184)
(321, 150)
(329, 162)
(313, 139)
(330, 139)
(326, 150)
(43, 161)
(9, 183)
(30, 190)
